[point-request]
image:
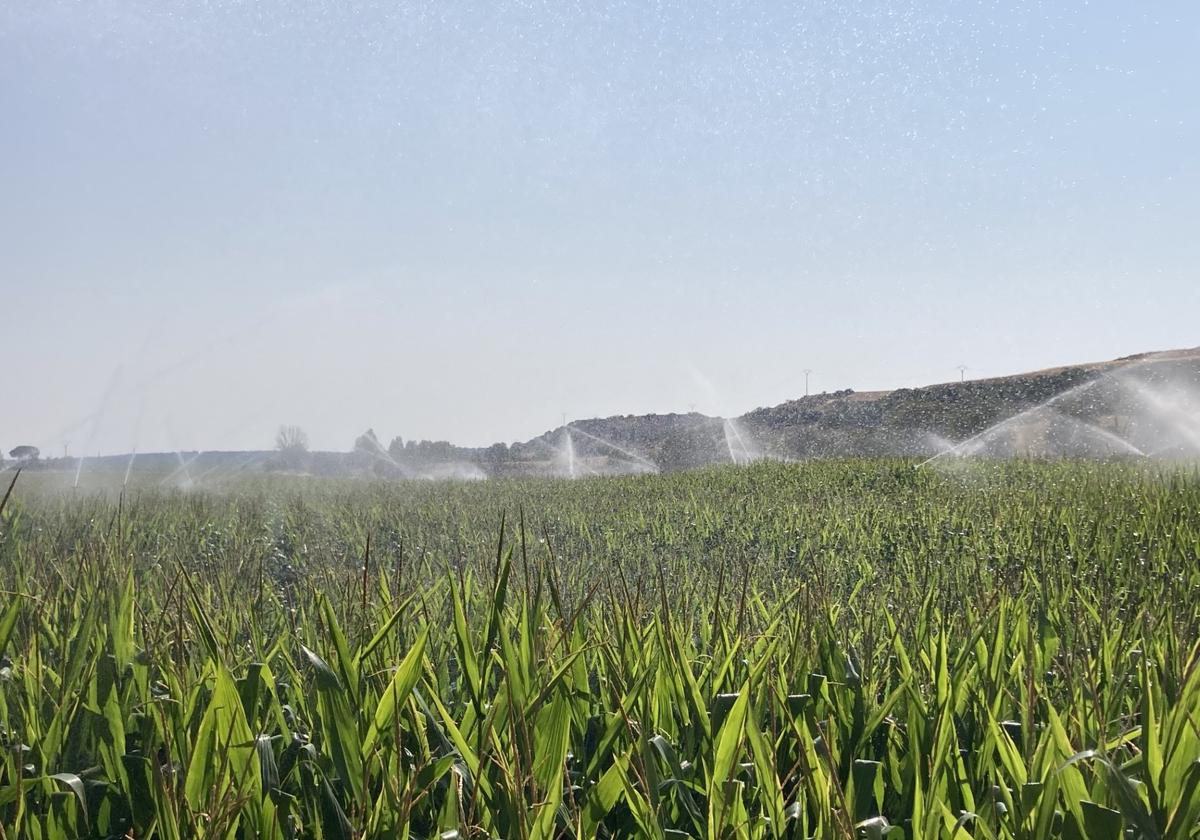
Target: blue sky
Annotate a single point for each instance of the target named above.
(448, 220)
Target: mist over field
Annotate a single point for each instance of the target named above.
(1140, 408)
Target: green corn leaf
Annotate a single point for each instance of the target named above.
(396, 694)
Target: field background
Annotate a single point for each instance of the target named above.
(826, 649)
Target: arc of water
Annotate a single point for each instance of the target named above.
(381, 454)
(1119, 376)
(743, 453)
(223, 468)
(1184, 423)
(96, 418)
(1104, 434)
(733, 457)
(965, 445)
(183, 467)
(631, 455)
(574, 464)
(137, 431)
(129, 467)
(560, 454)
(731, 435)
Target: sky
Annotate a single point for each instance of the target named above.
(463, 221)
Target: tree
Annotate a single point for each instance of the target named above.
(25, 453)
(396, 448)
(291, 440)
(292, 443)
(494, 458)
(369, 454)
(369, 443)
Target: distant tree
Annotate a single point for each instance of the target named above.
(396, 447)
(368, 442)
(25, 453)
(291, 439)
(369, 454)
(292, 443)
(494, 457)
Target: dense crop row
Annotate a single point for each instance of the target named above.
(819, 650)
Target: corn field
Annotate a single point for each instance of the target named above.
(820, 650)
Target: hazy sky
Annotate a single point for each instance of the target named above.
(450, 220)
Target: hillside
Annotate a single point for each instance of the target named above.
(1115, 397)
(1106, 408)
(1147, 404)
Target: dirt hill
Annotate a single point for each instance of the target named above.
(1097, 396)
(1143, 404)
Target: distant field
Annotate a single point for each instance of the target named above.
(825, 649)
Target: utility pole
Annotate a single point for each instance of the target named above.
(962, 373)
(66, 448)
(807, 372)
